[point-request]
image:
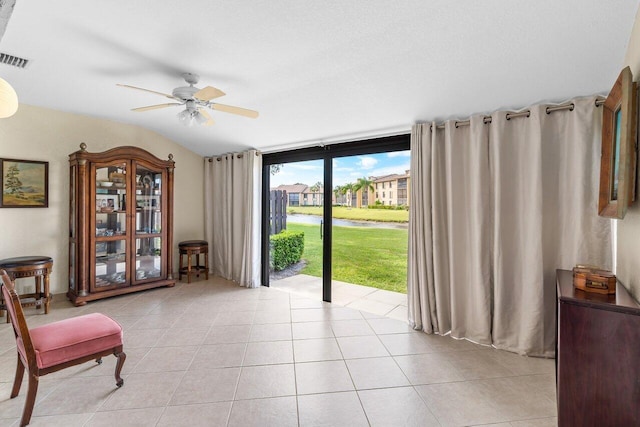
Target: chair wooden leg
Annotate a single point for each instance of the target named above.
(17, 382)
(121, 358)
(31, 400)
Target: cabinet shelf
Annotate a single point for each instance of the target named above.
(113, 238)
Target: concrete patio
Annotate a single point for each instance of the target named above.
(364, 298)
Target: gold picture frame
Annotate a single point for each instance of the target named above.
(619, 148)
(24, 183)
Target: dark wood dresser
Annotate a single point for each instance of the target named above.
(598, 357)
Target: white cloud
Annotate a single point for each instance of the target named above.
(399, 154)
(368, 162)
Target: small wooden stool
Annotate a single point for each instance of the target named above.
(193, 247)
(30, 266)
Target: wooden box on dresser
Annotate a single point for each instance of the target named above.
(598, 356)
(120, 223)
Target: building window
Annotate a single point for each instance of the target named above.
(376, 185)
(402, 196)
(402, 183)
(376, 193)
(391, 184)
(294, 199)
(383, 187)
(383, 195)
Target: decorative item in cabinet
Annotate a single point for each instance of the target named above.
(121, 223)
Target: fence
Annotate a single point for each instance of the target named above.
(278, 200)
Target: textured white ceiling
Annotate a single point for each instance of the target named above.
(315, 70)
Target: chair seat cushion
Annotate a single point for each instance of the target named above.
(71, 339)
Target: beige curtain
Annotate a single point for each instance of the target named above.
(232, 216)
(449, 229)
(501, 207)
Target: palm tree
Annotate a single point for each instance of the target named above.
(315, 188)
(337, 191)
(347, 188)
(365, 185)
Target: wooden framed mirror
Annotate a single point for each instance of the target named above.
(619, 148)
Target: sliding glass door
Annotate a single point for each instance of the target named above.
(299, 195)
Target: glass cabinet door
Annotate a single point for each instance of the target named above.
(148, 223)
(110, 227)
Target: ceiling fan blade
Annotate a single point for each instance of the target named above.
(206, 115)
(155, 107)
(208, 93)
(235, 110)
(150, 91)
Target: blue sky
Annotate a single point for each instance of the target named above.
(345, 169)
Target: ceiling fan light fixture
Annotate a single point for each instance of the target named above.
(199, 118)
(185, 117)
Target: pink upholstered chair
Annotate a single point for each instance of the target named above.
(58, 345)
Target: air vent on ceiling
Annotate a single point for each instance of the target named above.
(13, 61)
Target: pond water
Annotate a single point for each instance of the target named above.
(314, 219)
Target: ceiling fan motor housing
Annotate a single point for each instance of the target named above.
(185, 92)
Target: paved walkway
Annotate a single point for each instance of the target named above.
(364, 298)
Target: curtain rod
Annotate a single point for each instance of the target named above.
(527, 113)
(238, 156)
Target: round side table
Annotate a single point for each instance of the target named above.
(189, 248)
(30, 266)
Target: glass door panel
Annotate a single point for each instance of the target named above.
(111, 200)
(296, 203)
(148, 201)
(148, 259)
(111, 263)
(110, 224)
(370, 225)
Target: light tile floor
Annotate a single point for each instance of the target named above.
(372, 300)
(211, 353)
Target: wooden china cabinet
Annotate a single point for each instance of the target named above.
(120, 223)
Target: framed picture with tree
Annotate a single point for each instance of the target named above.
(24, 183)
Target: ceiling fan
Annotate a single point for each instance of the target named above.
(195, 101)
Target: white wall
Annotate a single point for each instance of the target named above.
(628, 262)
(35, 133)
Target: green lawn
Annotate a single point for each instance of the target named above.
(343, 212)
(375, 257)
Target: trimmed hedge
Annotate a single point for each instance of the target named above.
(287, 247)
(388, 207)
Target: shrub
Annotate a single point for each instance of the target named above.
(387, 207)
(287, 248)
